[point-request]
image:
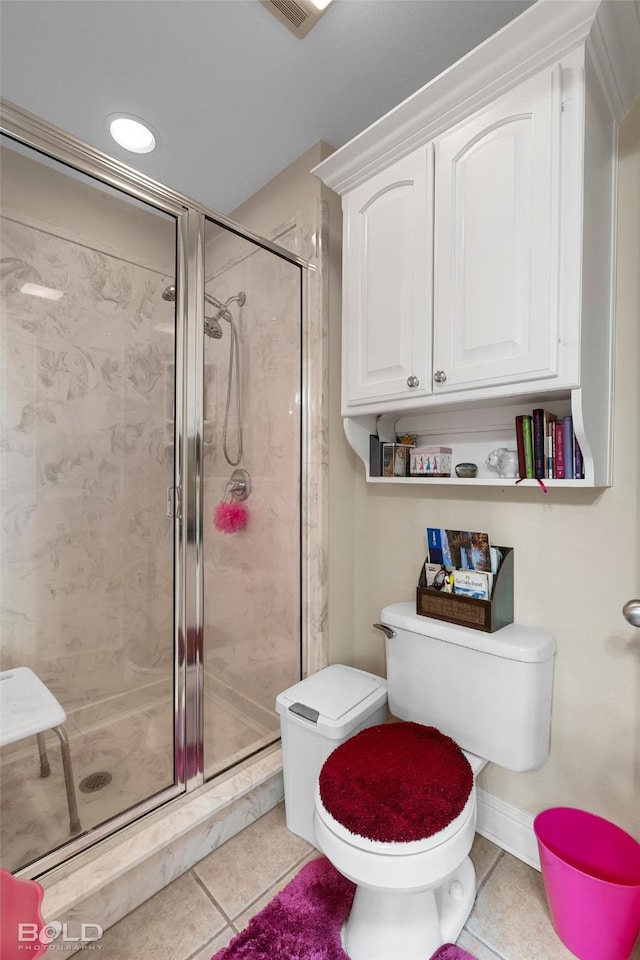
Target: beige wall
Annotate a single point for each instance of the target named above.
(576, 564)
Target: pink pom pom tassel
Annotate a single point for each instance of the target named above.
(229, 517)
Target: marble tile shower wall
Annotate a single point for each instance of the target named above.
(87, 456)
(252, 578)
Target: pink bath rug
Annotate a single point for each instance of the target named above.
(303, 921)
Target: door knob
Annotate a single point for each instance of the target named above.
(440, 376)
(631, 612)
(413, 381)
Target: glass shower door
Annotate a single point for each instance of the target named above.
(86, 456)
(251, 492)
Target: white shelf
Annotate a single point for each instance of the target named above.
(477, 482)
(472, 433)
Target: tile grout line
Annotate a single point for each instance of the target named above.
(202, 947)
(230, 920)
(471, 933)
(275, 883)
(489, 946)
(489, 873)
(211, 897)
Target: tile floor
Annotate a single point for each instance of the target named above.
(199, 913)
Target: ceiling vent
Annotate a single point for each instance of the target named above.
(299, 15)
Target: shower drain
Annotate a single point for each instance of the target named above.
(95, 781)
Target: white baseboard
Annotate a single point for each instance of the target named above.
(508, 827)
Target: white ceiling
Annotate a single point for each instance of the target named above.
(235, 95)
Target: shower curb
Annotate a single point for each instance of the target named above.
(103, 886)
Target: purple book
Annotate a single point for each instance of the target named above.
(567, 426)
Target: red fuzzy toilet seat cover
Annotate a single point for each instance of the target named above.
(396, 782)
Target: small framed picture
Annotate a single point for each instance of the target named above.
(395, 459)
(430, 462)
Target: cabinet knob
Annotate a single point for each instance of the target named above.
(413, 381)
(631, 612)
(439, 376)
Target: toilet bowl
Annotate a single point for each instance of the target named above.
(412, 895)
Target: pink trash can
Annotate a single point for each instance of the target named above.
(591, 874)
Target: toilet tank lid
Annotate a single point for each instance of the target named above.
(513, 642)
(342, 696)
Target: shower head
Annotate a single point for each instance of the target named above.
(212, 328)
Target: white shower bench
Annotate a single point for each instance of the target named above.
(28, 708)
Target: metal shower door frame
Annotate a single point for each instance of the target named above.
(188, 625)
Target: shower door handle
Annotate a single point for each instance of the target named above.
(174, 503)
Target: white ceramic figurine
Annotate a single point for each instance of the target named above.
(504, 461)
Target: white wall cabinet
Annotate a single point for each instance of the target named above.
(497, 241)
(479, 222)
(387, 282)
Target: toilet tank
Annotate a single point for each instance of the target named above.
(491, 692)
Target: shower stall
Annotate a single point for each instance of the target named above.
(151, 369)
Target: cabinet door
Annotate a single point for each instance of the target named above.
(497, 241)
(387, 303)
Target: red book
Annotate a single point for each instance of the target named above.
(559, 470)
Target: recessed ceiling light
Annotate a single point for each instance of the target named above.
(132, 133)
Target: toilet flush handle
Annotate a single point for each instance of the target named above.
(388, 632)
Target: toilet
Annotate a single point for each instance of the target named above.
(395, 803)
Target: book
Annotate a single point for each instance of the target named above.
(558, 457)
(472, 583)
(543, 441)
(567, 424)
(549, 441)
(438, 546)
(524, 443)
(538, 442)
(463, 549)
(528, 446)
(469, 550)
